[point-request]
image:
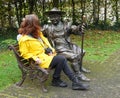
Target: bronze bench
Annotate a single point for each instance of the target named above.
(30, 68)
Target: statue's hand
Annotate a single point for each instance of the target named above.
(82, 28)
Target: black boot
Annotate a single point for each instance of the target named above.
(58, 83)
(77, 85)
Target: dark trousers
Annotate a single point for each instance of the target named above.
(60, 64)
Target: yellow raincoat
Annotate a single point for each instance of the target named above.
(34, 48)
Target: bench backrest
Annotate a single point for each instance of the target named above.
(22, 63)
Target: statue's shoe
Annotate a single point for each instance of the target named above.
(85, 70)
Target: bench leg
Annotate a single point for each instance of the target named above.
(42, 81)
(42, 78)
(44, 89)
(24, 74)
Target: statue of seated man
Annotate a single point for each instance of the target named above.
(58, 33)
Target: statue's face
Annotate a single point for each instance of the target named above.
(55, 18)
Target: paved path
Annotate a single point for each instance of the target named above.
(105, 83)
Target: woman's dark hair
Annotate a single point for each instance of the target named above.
(30, 26)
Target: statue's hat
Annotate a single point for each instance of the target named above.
(54, 11)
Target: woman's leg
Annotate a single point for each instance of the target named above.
(60, 63)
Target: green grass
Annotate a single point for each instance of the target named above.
(9, 72)
(98, 45)
(5, 42)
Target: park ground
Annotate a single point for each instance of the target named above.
(105, 83)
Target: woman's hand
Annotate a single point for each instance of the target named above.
(52, 54)
(38, 61)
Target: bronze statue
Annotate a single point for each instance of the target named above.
(58, 33)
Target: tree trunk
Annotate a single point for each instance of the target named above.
(116, 11)
(98, 7)
(105, 12)
(73, 11)
(56, 3)
(95, 14)
(16, 11)
(20, 10)
(31, 6)
(83, 7)
(9, 14)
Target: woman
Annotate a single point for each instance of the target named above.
(33, 44)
